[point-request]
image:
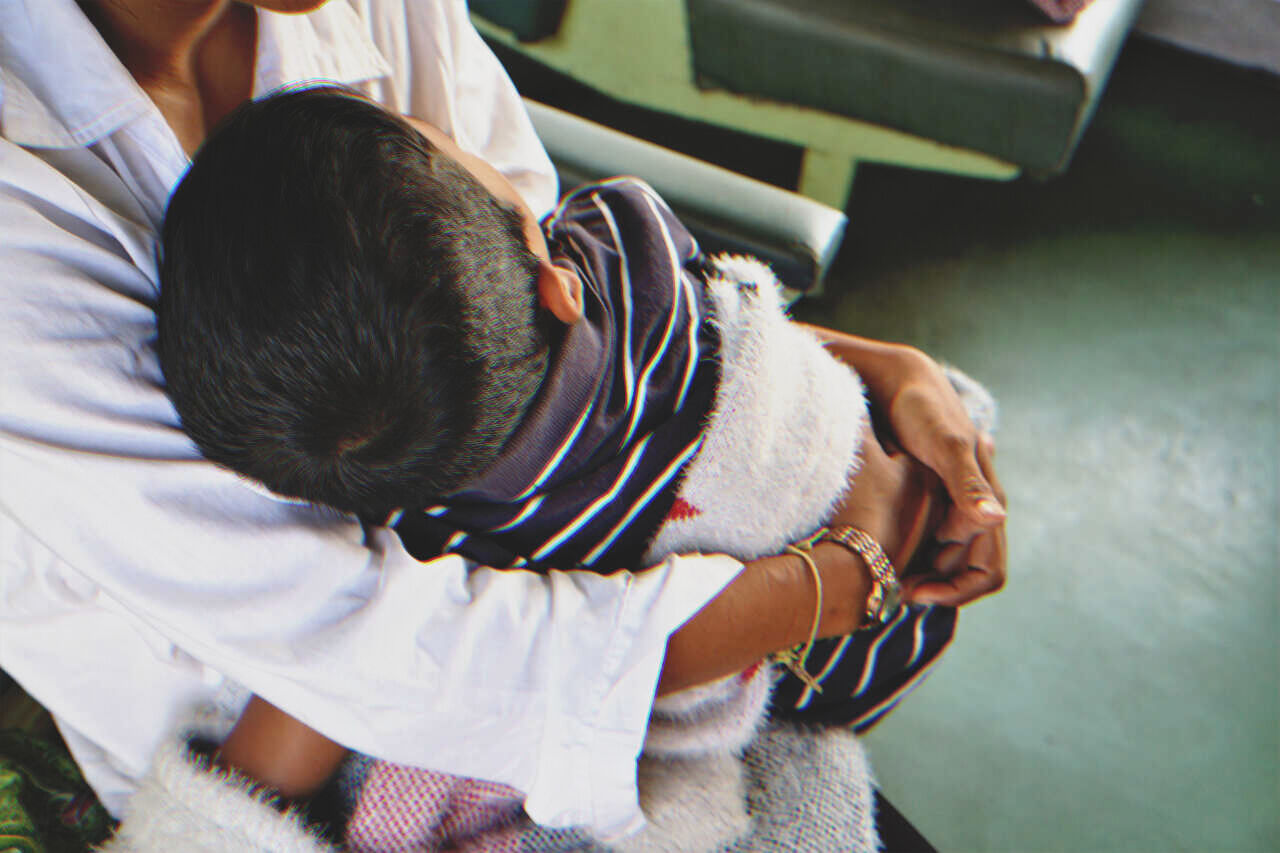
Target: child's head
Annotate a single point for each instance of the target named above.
(348, 313)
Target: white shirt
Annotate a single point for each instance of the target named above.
(139, 581)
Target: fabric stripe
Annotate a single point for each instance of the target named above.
(559, 455)
(692, 362)
(667, 334)
(529, 509)
(917, 641)
(691, 359)
(835, 658)
(873, 715)
(874, 652)
(596, 505)
(587, 189)
(643, 501)
(624, 272)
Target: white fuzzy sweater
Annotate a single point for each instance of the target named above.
(780, 447)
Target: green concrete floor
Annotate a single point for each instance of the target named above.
(1123, 692)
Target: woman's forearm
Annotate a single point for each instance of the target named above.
(913, 396)
(770, 605)
(880, 364)
(767, 608)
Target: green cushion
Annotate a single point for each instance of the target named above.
(988, 75)
(529, 20)
(726, 211)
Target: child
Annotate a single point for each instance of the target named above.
(393, 336)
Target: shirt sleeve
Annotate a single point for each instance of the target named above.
(136, 575)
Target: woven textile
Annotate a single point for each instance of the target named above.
(403, 808)
(808, 791)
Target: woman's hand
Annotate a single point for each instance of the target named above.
(897, 500)
(928, 421)
(903, 505)
(965, 567)
(894, 498)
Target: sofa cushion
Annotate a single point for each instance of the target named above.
(529, 20)
(987, 75)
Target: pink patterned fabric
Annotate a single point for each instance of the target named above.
(1061, 11)
(401, 809)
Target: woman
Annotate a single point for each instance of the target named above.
(141, 581)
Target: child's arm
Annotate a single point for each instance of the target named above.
(273, 748)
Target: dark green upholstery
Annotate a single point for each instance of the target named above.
(726, 211)
(989, 75)
(529, 20)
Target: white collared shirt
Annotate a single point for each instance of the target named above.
(139, 581)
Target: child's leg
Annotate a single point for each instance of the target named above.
(273, 748)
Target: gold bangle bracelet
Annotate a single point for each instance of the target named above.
(796, 657)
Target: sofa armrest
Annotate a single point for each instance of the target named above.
(726, 211)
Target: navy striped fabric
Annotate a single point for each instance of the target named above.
(865, 675)
(593, 470)
(594, 467)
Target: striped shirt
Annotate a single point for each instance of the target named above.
(593, 468)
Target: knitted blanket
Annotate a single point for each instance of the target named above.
(806, 790)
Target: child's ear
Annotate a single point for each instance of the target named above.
(560, 292)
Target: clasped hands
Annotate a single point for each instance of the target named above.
(927, 488)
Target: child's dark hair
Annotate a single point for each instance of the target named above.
(346, 314)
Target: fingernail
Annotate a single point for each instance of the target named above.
(990, 508)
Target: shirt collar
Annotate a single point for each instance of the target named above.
(62, 87)
(330, 44)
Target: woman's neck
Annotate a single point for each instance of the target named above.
(194, 58)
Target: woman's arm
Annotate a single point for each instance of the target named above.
(926, 415)
(929, 421)
(768, 607)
